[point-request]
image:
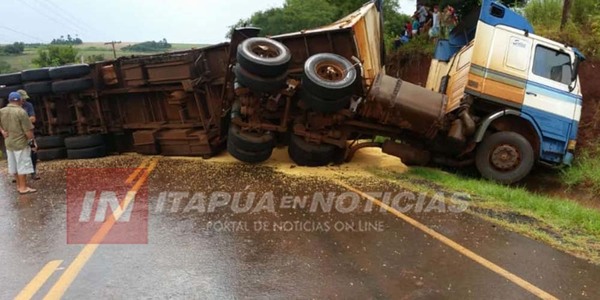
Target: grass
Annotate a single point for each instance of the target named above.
(585, 172)
(23, 61)
(565, 224)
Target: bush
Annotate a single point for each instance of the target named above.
(15, 48)
(55, 55)
(581, 31)
(544, 13)
(94, 58)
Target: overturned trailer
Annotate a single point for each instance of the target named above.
(325, 94)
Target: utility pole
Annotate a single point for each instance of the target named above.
(113, 46)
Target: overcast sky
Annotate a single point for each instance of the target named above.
(179, 21)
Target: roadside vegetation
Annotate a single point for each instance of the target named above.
(20, 56)
(565, 224)
(585, 172)
(581, 28)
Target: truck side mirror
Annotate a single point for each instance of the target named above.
(575, 69)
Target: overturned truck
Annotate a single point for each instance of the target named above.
(497, 96)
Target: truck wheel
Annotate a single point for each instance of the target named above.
(42, 87)
(257, 83)
(264, 57)
(72, 85)
(68, 72)
(92, 152)
(505, 157)
(251, 157)
(323, 105)
(84, 141)
(42, 74)
(304, 153)
(51, 154)
(329, 76)
(49, 142)
(10, 79)
(250, 141)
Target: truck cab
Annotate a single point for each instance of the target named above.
(515, 82)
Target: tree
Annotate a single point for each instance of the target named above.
(149, 46)
(295, 15)
(68, 41)
(15, 48)
(55, 55)
(565, 13)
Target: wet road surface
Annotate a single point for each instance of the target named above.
(194, 250)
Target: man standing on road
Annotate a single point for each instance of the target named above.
(18, 132)
(28, 107)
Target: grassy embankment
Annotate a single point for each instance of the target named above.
(562, 223)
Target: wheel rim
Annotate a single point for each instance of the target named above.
(264, 50)
(330, 71)
(505, 157)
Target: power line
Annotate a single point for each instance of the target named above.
(58, 13)
(22, 33)
(46, 15)
(70, 16)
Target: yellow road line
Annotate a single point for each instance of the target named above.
(67, 278)
(454, 245)
(137, 171)
(38, 281)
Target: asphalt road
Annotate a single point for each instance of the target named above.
(220, 229)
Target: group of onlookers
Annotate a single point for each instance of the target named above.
(429, 21)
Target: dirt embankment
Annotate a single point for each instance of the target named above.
(412, 68)
(589, 126)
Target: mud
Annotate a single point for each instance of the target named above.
(412, 68)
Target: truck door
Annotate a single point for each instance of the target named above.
(548, 100)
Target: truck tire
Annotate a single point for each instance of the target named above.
(92, 152)
(263, 57)
(505, 157)
(5, 91)
(42, 74)
(328, 75)
(84, 141)
(10, 79)
(257, 83)
(72, 85)
(251, 157)
(325, 106)
(38, 88)
(70, 71)
(50, 142)
(308, 154)
(52, 154)
(250, 141)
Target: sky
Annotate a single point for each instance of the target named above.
(179, 21)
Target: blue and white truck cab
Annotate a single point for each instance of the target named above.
(521, 90)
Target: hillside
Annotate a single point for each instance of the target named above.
(23, 61)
